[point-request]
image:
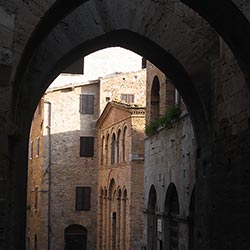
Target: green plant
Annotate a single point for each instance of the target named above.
(170, 114)
(152, 128)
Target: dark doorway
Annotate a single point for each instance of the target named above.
(75, 237)
(114, 231)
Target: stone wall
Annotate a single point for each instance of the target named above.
(170, 157)
(68, 169)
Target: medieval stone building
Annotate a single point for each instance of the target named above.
(120, 176)
(62, 173)
(170, 153)
(203, 48)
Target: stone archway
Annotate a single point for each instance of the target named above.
(75, 237)
(42, 61)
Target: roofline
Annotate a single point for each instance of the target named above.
(123, 106)
(72, 86)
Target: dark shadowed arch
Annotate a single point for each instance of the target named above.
(155, 99)
(151, 219)
(171, 232)
(75, 237)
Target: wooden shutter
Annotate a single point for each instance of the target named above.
(83, 198)
(86, 198)
(87, 104)
(130, 98)
(86, 146)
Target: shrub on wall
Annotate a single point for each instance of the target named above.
(164, 121)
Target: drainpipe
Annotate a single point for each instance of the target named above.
(49, 169)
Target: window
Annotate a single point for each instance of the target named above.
(144, 63)
(37, 146)
(83, 198)
(113, 149)
(86, 146)
(36, 198)
(155, 99)
(129, 98)
(31, 150)
(177, 98)
(87, 104)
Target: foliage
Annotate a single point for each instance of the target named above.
(171, 114)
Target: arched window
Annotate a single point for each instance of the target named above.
(102, 150)
(151, 219)
(124, 144)
(171, 238)
(113, 142)
(191, 221)
(155, 99)
(107, 149)
(75, 237)
(118, 146)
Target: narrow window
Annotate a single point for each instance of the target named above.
(143, 63)
(83, 198)
(177, 98)
(87, 104)
(155, 99)
(31, 150)
(129, 98)
(37, 146)
(36, 198)
(124, 144)
(113, 149)
(86, 146)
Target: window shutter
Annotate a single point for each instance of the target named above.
(83, 198)
(86, 198)
(79, 200)
(87, 104)
(90, 104)
(86, 146)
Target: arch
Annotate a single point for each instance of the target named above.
(124, 144)
(223, 15)
(75, 237)
(155, 99)
(111, 187)
(102, 150)
(113, 146)
(151, 219)
(118, 145)
(171, 230)
(107, 150)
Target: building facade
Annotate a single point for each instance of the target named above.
(170, 153)
(120, 176)
(66, 210)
